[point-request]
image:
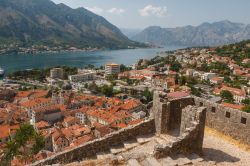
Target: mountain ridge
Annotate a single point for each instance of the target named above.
(42, 22)
(205, 34)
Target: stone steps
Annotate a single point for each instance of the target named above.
(160, 140)
(130, 144)
(168, 161)
(104, 155)
(152, 161)
(133, 162)
(182, 160)
(144, 138)
(117, 149)
(168, 138)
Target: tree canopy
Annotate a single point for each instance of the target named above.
(26, 143)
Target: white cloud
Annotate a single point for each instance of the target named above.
(95, 10)
(100, 11)
(150, 10)
(116, 11)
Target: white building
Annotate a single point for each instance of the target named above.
(56, 73)
(208, 76)
(84, 75)
(112, 68)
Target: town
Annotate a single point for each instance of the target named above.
(68, 108)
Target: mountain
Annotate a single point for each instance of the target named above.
(42, 22)
(206, 34)
(130, 32)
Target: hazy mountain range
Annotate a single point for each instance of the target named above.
(29, 22)
(130, 32)
(206, 34)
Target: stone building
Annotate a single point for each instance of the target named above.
(49, 114)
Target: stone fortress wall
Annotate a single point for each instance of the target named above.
(168, 117)
(178, 118)
(231, 122)
(91, 148)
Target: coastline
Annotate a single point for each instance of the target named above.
(50, 51)
(29, 51)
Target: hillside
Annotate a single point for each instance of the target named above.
(206, 34)
(237, 51)
(42, 22)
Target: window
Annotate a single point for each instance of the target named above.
(228, 114)
(201, 104)
(243, 120)
(213, 109)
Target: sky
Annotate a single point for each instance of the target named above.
(139, 14)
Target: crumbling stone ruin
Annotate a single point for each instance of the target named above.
(174, 127)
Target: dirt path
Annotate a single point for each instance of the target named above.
(224, 151)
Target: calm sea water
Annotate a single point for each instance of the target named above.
(14, 62)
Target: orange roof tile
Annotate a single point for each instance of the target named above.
(234, 106)
(83, 140)
(177, 94)
(35, 102)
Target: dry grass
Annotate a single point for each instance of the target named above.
(229, 139)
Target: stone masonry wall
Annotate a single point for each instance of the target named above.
(161, 113)
(191, 136)
(231, 122)
(167, 113)
(91, 148)
(175, 108)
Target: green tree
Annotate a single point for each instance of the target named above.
(111, 77)
(183, 80)
(39, 144)
(246, 101)
(19, 147)
(227, 96)
(86, 85)
(227, 79)
(124, 68)
(107, 90)
(175, 66)
(196, 92)
(246, 109)
(93, 87)
(10, 152)
(147, 96)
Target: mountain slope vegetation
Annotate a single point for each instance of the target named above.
(42, 22)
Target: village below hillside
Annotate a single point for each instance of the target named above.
(46, 111)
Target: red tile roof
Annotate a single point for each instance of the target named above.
(175, 95)
(234, 106)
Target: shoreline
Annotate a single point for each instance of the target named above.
(69, 51)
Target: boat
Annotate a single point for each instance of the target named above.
(1, 72)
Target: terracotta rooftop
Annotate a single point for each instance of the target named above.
(176, 95)
(234, 106)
